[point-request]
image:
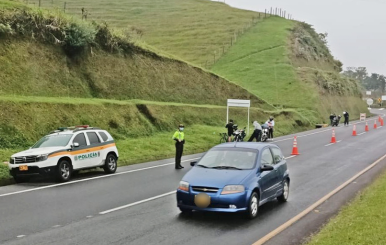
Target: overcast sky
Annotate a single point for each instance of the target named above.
(356, 28)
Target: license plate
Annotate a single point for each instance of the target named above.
(202, 200)
(23, 168)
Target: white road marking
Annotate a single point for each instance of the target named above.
(333, 143)
(315, 205)
(361, 133)
(93, 178)
(290, 157)
(56, 226)
(381, 109)
(90, 216)
(136, 203)
(20, 236)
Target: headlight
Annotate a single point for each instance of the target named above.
(184, 186)
(41, 158)
(12, 160)
(231, 189)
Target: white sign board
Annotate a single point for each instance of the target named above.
(238, 103)
(368, 92)
(383, 97)
(370, 102)
(362, 117)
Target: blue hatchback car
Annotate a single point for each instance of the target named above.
(235, 177)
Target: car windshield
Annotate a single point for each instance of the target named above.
(229, 158)
(53, 141)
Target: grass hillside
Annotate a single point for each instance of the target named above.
(287, 64)
(58, 71)
(193, 30)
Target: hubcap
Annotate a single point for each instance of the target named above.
(285, 190)
(112, 163)
(254, 206)
(65, 170)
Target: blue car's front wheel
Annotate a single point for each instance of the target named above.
(185, 210)
(253, 206)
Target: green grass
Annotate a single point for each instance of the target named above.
(361, 222)
(260, 63)
(190, 29)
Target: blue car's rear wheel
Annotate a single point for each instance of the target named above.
(253, 206)
(284, 197)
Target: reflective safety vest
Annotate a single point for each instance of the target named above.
(179, 135)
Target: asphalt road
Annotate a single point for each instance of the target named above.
(82, 211)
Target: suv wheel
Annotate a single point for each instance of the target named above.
(19, 179)
(63, 172)
(110, 164)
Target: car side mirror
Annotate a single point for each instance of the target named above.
(76, 144)
(192, 164)
(266, 168)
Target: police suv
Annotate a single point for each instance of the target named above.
(66, 151)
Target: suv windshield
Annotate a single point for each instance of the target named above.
(53, 141)
(229, 158)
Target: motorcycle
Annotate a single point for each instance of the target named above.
(264, 134)
(239, 134)
(335, 121)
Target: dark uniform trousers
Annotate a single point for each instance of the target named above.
(179, 151)
(256, 134)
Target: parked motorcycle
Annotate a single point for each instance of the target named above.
(336, 120)
(264, 132)
(239, 134)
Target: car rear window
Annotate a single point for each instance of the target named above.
(103, 135)
(93, 138)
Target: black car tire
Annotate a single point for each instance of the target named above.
(110, 164)
(253, 206)
(19, 179)
(185, 210)
(63, 171)
(284, 197)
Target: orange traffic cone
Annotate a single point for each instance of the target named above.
(381, 121)
(354, 131)
(375, 124)
(333, 139)
(295, 148)
(379, 118)
(367, 127)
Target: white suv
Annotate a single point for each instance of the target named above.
(65, 151)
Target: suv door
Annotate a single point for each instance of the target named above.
(95, 148)
(268, 180)
(79, 160)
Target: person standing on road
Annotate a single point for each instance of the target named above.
(179, 137)
(271, 124)
(332, 118)
(256, 132)
(346, 115)
(229, 126)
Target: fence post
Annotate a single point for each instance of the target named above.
(271, 11)
(265, 13)
(281, 13)
(284, 14)
(64, 9)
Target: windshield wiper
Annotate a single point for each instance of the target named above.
(226, 167)
(199, 165)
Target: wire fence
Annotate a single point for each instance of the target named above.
(78, 9)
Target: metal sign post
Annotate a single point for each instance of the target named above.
(238, 103)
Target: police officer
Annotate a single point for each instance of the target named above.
(179, 137)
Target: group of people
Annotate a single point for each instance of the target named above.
(334, 120)
(179, 136)
(257, 129)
